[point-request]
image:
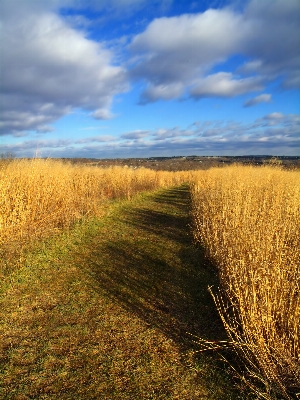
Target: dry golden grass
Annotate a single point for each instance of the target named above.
(101, 311)
(249, 220)
(39, 196)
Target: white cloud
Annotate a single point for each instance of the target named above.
(178, 52)
(48, 68)
(187, 32)
(44, 129)
(102, 113)
(165, 92)
(223, 84)
(135, 135)
(174, 51)
(274, 116)
(262, 98)
(275, 39)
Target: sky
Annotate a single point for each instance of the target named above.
(141, 78)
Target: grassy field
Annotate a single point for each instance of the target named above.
(107, 310)
(104, 292)
(38, 196)
(249, 221)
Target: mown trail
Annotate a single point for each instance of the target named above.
(108, 310)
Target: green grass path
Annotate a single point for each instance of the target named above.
(108, 310)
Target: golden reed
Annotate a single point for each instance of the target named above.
(248, 218)
(38, 196)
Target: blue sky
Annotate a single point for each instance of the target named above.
(140, 78)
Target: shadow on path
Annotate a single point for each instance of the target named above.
(146, 260)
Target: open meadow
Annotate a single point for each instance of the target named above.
(122, 283)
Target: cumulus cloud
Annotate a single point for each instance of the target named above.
(223, 84)
(165, 92)
(275, 39)
(175, 54)
(48, 69)
(262, 98)
(174, 51)
(187, 33)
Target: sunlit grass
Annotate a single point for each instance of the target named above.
(247, 218)
(249, 221)
(103, 310)
(39, 196)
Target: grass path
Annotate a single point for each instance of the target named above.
(107, 310)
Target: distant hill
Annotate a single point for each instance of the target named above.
(183, 163)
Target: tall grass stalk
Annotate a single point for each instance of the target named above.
(249, 221)
(39, 196)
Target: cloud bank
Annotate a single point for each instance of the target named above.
(49, 69)
(274, 133)
(175, 55)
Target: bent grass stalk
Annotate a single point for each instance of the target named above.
(249, 221)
